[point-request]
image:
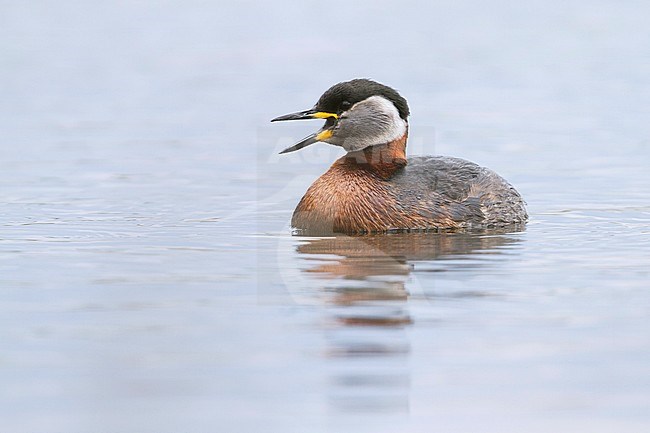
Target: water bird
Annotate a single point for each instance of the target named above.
(374, 188)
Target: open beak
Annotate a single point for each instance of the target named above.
(321, 135)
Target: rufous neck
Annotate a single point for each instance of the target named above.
(382, 159)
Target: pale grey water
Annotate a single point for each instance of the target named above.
(148, 279)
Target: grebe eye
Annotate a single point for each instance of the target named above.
(345, 105)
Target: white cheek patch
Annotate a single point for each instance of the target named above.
(373, 121)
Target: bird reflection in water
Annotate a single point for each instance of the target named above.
(364, 282)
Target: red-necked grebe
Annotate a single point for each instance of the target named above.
(374, 188)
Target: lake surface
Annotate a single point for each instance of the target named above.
(149, 281)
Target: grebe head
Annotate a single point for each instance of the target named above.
(358, 114)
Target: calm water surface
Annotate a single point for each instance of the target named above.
(148, 278)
